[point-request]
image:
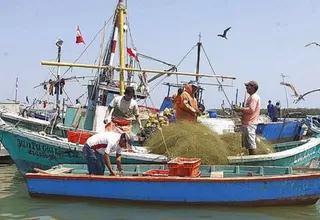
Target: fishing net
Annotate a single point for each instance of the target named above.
(195, 140)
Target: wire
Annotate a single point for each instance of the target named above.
(176, 67)
(94, 38)
(222, 89)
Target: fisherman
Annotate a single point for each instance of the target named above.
(122, 109)
(176, 98)
(78, 104)
(98, 147)
(250, 117)
(187, 107)
(276, 112)
(270, 109)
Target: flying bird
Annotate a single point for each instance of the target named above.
(224, 35)
(312, 43)
(297, 96)
(303, 95)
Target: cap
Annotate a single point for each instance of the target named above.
(129, 138)
(193, 83)
(252, 83)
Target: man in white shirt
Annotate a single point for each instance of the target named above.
(98, 148)
(123, 107)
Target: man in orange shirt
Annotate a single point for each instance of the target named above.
(250, 117)
(187, 104)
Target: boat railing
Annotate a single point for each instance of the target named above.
(206, 170)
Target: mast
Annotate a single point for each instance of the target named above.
(59, 43)
(121, 9)
(199, 44)
(16, 95)
(285, 89)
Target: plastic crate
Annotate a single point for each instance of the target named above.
(158, 173)
(184, 167)
(78, 136)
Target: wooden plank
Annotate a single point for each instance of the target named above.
(60, 171)
(54, 170)
(216, 174)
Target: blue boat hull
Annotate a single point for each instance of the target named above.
(242, 191)
(279, 132)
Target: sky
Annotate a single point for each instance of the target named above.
(266, 39)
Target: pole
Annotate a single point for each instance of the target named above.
(63, 106)
(198, 57)
(237, 96)
(58, 78)
(50, 63)
(285, 89)
(16, 95)
(121, 9)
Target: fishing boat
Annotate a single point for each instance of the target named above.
(303, 153)
(29, 150)
(280, 132)
(313, 123)
(215, 184)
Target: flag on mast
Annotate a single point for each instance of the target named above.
(79, 38)
(133, 53)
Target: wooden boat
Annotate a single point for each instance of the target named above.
(304, 153)
(313, 123)
(29, 150)
(280, 132)
(219, 185)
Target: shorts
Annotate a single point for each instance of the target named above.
(249, 136)
(95, 161)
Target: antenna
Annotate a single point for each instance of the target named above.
(285, 89)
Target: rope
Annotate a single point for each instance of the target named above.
(222, 89)
(94, 38)
(164, 143)
(176, 67)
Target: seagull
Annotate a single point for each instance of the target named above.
(297, 96)
(303, 95)
(312, 43)
(224, 35)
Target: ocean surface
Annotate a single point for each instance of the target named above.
(15, 203)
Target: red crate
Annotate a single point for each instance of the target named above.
(184, 167)
(158, 173)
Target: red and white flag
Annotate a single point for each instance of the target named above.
(79, 38)
(133, 53)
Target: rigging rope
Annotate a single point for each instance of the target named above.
(222, 89)
(176, 67)
(89, 44)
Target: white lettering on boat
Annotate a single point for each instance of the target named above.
(304, 157)
(46, 151)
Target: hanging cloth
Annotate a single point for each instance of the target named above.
(51, 87)
(62, 83)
